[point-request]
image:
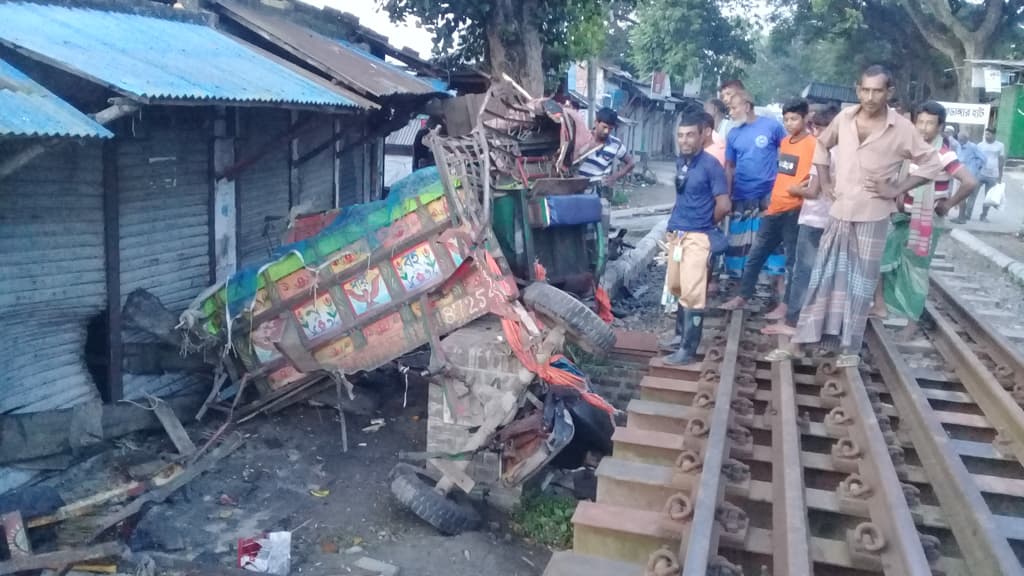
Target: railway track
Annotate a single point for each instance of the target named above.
(908, 465)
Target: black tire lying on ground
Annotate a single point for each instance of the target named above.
(582, 325)
(414, 488)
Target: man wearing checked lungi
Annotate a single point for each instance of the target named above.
(702, 200)
(871, 141)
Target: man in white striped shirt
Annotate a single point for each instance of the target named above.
(600, 162)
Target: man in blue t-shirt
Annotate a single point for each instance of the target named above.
(702, 200)
(751, 163)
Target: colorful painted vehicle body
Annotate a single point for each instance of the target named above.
(374, 282)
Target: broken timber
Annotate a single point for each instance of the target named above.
(60, 559)
(160, 494)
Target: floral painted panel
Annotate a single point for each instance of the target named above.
(283, 377)
(367, 291)
(417, 267)
(295, 284)
(337, 353)
(264, 338)
(408, 225)
(318, 316)
(438, 209)
(349, 256)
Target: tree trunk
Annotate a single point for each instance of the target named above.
(514, 45)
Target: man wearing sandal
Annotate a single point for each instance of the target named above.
(702, 200)
(871, 141)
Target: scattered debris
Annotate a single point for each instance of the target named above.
(161, 493)
(375, 425)
(18, 545)
(269, 554)
(173, 427)
(324, 493)
(354, 550)
(60, 559)
(376, 566)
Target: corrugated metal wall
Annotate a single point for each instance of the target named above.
(52, 279)
(261, 189)
(351, 175)
(316, 175)
(164, 186)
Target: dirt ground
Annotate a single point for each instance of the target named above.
(269, 483)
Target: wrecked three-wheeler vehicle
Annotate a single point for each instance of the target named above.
(363, 286)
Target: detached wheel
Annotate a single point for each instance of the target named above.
(414, 488)
(581, 324)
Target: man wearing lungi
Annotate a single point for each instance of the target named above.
(702, 200)
(872, 141)
(751, 164)
(920, 223)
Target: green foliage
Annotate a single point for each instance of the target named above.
(688, 38)
(570, 29)
(545, 519)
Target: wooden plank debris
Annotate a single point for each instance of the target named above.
(160, 494)
(58, 560)
(174, 428)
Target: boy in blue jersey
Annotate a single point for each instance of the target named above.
(702, 200)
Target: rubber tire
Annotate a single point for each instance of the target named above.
(410, 487)
(582, 325)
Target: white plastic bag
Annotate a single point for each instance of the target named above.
(995, 195)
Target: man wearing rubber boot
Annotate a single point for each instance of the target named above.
(702, 200)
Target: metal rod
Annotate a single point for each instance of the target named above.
(698, 550)
(789, 508)
(997, 404)
(985, 549)
(889, 509)
(996, 345)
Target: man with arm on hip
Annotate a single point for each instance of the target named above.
(871, 141)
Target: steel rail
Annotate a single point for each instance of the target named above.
(996, 403)
(996, 345)
(789, 508)
(985, 550)
(903, 552)
(696, 551)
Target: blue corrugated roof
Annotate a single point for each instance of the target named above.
(28, 109)
(156, 58)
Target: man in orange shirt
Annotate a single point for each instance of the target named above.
(779, 224)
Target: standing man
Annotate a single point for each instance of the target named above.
(992, 173)
(600, 161)
(702, 200)
(713, 143)
(920, 222)
(719, 113)
(751, 164)
(779, 225)
(813, 220)
(972, 159)
(871, 142)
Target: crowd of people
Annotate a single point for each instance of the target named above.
(839, 211)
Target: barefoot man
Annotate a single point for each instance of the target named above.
(871, 142)
(702, 200)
